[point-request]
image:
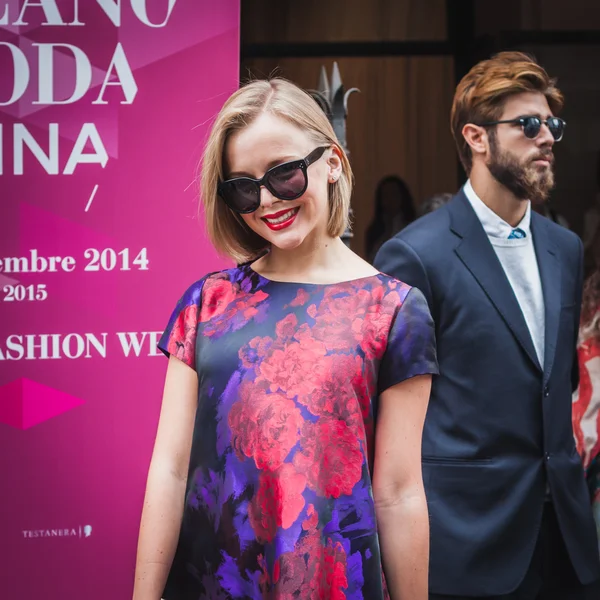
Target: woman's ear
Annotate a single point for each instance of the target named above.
(334, 164)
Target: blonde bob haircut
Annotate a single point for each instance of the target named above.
(226, 229)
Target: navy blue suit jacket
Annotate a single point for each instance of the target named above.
(498, 427)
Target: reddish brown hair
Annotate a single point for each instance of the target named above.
(482, 92)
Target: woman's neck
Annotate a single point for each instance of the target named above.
(318, 262)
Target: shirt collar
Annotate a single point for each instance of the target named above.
(493, 225)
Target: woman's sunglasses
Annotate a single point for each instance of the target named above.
(287, 181)
(532, 125)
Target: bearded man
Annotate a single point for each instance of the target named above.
(510, 515)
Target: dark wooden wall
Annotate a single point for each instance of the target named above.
(272, 21)
(537, 15)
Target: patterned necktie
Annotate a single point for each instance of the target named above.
(517, 234)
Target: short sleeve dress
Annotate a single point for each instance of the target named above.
(279, 502)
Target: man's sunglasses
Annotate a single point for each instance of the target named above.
(287, 181)
(532, 125)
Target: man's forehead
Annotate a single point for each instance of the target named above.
(526, 104)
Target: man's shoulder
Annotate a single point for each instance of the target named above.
(564, 239)
(426, 229)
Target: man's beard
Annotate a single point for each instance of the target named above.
(525, 180)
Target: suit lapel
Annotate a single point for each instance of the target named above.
(550, 275)
(478, 255)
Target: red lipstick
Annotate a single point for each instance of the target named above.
(293, 212)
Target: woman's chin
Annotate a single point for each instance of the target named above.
(287, 242)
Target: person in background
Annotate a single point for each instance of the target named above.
(287, 462)
(394, 210)
(509, 507)
(586, 399)
(433, 203)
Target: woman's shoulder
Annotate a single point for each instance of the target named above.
(223, 280)
(369, 277)
(402, 299)
(394, 286)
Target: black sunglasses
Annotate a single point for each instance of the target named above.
(287, 181)
(532, 125)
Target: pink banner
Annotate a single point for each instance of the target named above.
(104, 109)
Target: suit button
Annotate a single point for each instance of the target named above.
(546, 391)
(546, 456)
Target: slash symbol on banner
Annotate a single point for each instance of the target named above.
(91, 198)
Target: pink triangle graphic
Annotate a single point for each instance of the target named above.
(10, 12)
(4, 280)
(25, 403)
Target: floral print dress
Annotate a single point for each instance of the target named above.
(586, 411)
(279, 502)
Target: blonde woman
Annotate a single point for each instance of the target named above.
(287, 461)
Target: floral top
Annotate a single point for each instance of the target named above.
(586, 410)
(279, 502)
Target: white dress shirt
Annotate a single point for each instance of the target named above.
(518, 259)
